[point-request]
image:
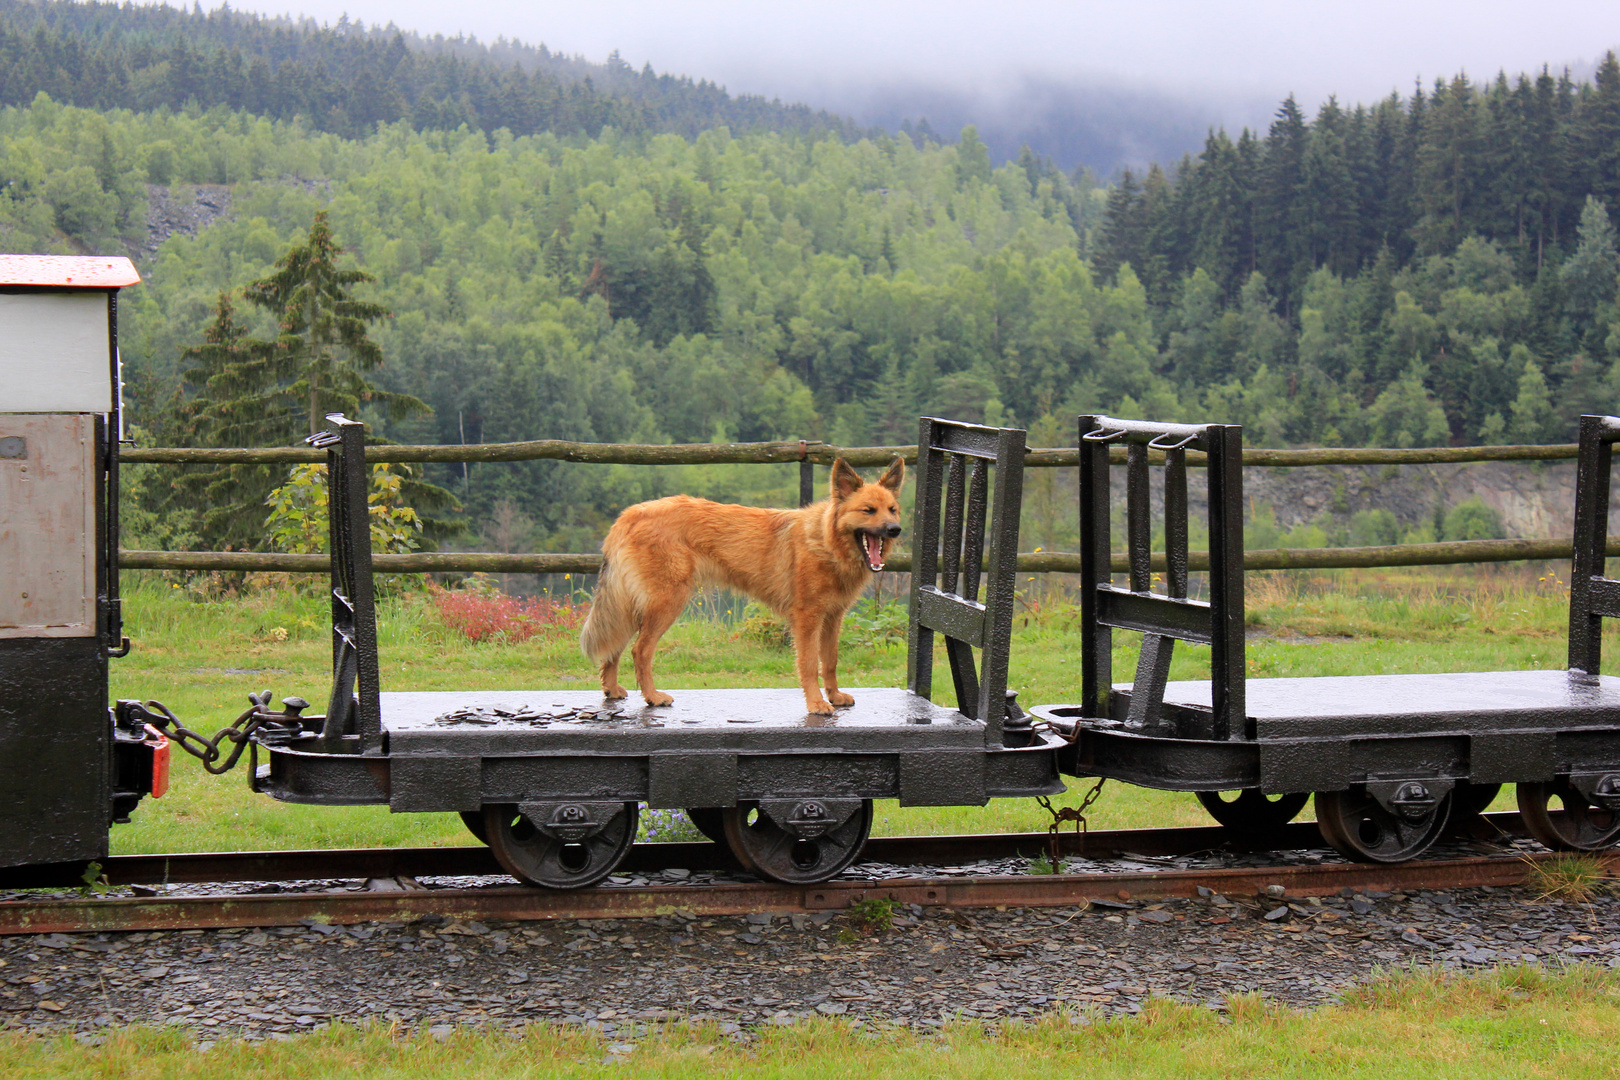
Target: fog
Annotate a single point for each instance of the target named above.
(1175, 65)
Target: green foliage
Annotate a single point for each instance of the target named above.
(1473, 520)
(874, 914)
(1340, 280)
(322, 348)
(1589, 274)
(299, 520)
(348, 77)
(760, 626)
(1407, 414)
(874, 626)
(1373, 528)
(1533, 420)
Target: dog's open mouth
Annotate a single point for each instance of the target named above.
(871, 546)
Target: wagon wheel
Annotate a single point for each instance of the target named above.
(770, 851)
(1253, 811)
(1360, 828)
(532, 856)
(1578, 825)
(474, 820)
(708, 820)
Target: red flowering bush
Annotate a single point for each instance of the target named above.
(484, 616)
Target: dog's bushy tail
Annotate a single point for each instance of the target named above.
(612, 618)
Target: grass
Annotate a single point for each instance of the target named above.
(1569, 877)
(1514, 1022)
(203, 657)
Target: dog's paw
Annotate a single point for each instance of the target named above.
(615, 693)
(819, 708)
(840, 699)
(658, 697)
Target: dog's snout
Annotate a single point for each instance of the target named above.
(891, 530)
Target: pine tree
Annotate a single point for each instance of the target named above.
(1596, 135)
(1532, 419)
(323, 345)
(239, 401)
(1589, 275)
(1282, 218)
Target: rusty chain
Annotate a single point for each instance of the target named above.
(208, 750)
(1076, 814)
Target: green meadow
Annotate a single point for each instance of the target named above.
(1513, 1023)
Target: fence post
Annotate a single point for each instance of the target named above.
(807, 475)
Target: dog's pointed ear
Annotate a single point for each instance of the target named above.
(845, 480)
(894, 477)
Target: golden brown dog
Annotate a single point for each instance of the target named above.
(808, 565)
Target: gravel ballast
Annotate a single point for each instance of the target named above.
(624, 977)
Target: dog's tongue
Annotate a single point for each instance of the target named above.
(874, 551)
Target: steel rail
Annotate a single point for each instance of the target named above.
(91, 914)
(88, 915)
(306, 865)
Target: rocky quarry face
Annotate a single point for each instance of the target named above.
(183, 210)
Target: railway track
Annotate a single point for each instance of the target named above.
(392, 895)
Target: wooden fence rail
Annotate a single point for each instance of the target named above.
(791, 451)
(809, 452)
(1063, 562)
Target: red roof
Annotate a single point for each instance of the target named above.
(68, 271)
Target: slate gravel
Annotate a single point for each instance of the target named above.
(623, 977)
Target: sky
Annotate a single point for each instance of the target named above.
(827, 50)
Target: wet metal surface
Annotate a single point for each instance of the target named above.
(1358, 705)
(515, 722)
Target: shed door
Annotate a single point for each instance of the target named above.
(47, 525)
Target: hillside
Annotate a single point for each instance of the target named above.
(347, 77)
(1440, 269)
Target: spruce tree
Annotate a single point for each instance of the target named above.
(238, 401)
(1589, 275)
(322, 345)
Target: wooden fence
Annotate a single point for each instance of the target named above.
(806, 454)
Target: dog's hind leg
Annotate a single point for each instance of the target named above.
(655, 619)
(830, 628)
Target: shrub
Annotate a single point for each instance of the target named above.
(761, 626)
(1473, 520)
(1374, 528)
(298, 512)
(484, 616)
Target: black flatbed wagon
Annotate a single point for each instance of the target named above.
(552, 779)
(1391, 759)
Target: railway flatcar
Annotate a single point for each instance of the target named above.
(1391, 759)
(553, 780)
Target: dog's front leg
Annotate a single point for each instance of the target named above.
(830, 629)
(806, 657)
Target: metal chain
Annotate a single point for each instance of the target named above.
(199, 746)
(1076, 814)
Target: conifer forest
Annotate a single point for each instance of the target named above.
(532, 246)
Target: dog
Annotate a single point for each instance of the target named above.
(807, 565)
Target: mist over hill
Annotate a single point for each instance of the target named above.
(1075, 123)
